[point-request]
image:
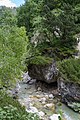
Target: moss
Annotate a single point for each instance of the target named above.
(70, 70)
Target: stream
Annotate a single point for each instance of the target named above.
(43, 103)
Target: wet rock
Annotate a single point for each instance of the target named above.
(75, 106)
(32, 110)
(51, 106)
(51, 96)
(26, 78)
(31, 82)
(41, 114)
(55, 117)
(14, 92)
(48, 73)
(70, 93)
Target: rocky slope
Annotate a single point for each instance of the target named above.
(70, 93)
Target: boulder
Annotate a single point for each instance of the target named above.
(26, 78)
(48, 73)
(70, 93)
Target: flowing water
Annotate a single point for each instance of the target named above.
(68, 113)
(43, 103)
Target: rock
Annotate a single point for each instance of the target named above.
(51, 106)
(26, 78)
(75, 106)
(43, 100)
(70, 93)
(39, 89)
(51, 96)
(46, 96)
(48, 73)
(15, 91)
(32, 110)
(31, 81)
(39, 96)
(55, 117)
(41, 114)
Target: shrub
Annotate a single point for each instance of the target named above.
(70, 69)
(13, 42)
(11, 109)
(40, 60)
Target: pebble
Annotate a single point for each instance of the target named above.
(51, 96)
(32, 110)
(51, 106)
(54, 117)
(38, 96)
(42, 100)
(46, 96)
(41, 114)
(39, 89)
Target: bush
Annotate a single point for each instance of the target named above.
(70, 69)
(10, 109)
(13, 42)
(40, 60)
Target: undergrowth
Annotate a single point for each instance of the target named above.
(11, 109)
(70, 69)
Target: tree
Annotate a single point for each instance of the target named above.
(53, 24)
(27, 13)
(7, 16)
(13, 43)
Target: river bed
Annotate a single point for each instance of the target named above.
(43, 103)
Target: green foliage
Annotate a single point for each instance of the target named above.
(64, 52)
(10, 109)
(70, 70)
(40, 60)
(34, 55)
(7, 16)
(13, 42)
(51, 21)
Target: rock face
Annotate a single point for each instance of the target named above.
(70, 93)
(48, 73)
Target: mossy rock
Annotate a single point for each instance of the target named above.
(40, 60)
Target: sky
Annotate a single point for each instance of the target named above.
(11, 3)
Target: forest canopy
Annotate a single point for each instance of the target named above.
(51, 24)
(38, 30)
